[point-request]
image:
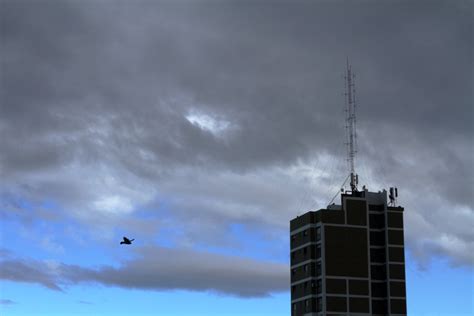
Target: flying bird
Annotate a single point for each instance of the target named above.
(126, 241)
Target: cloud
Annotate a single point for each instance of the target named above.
(49, 244)
(28, 271)
(233, 114)
(7, 302)
(208, 123)
(160, 269)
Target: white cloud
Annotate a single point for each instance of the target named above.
(113, 204)
(208, 122)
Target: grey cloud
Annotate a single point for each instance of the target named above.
(164, 269)
(92, 91)
(279, 114)
(28, 271)
(161, 269)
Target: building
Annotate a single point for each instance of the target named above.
(349, 259)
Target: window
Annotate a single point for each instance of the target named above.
(306, 304)
(378, 272)
(293, 289)
(293, 271)
(305, 233)
(318, 286)
(318, 233)
(306, 270)
(318, 268)
(305, 251)
(377, 238)
(377, 255)
(377, 220)
(320, 305)
(314, 289)
(318, 251)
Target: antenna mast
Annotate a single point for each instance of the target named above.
(351, 125)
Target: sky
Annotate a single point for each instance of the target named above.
(201, 128)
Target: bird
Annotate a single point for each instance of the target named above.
(126, 241)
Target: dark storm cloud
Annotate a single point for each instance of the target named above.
(274, 73)
(96, 99)
(129, 80)
(161, 269)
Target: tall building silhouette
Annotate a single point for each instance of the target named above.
(348, 259)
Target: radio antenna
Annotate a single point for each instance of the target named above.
(351, 134)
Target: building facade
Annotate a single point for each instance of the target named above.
(349, 259)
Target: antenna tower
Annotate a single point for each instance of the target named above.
(351, 134)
